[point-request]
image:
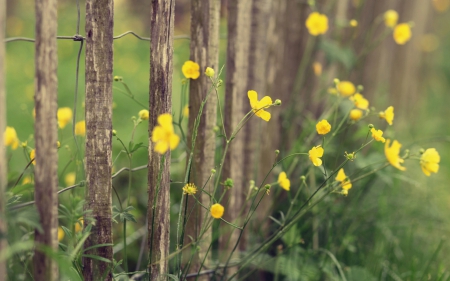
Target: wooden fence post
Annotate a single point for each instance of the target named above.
(160, 101)
(235, 91)
(205, 20)
(46, 136)
(99, 67)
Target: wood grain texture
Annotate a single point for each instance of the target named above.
(205, 20)
(46, 136)
(160, 101)
(235, 91)
(99, 67)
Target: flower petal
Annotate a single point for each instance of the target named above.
(264, 115)
(265, 102)
(253, 97)
(174, 141)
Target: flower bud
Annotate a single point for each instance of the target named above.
(219, 83)
(277, 152)
(118, 78)
(359, 88)
(421, 151)
(302, 178)
(370, 126)
(114, 132)
(277, 102)
(209, 72)
(213, 171)
(336, 81)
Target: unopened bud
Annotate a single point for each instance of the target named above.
(370, 126)
(213, 171)
(277, 102)
(114, 132)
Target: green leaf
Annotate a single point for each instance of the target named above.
(136, 147)
(97, 246)
(67, 232)
(336, 53)
(96, 258)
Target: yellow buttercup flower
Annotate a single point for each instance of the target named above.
(402, 33)
(61, 234)
(315, 154)
(70, 178)
(32, 156)
(64, 115)
(27, 179)
(190, 189)
(317, 23)
(217, 211)
(390, 18)
(191, 69)
(345, 181)
(163, 134)
(353, 23)
(388, 115)
(323, 127)
(377, 135)
(430, 161)
(392, 154)
(356, 114)
(259, 106)
(209, 72)
(79, 225)
(10, 138)
(317, 68)
(441, 5)
(359, 101)
(144, 114)
(80, 128)
(283, 181)
(186, 111)
(346, 88)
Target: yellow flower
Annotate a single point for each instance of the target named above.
(70, 178)
(144, 114)
(314, 155)
(388, 115)
(390, 18)
(258, 106)
(64, 115)
(317, 68)
(79, 225)
(283, 181)
(209, 72)
(360, 101)
(217, 211)
(317, 23)
(402, 33)
(186, 111)
(346, 88)
(323, 127)
(80, 128)
(430, 161)
(377, 135)
(353, 23)
(163, 134)
(190, 189)
(10, 138)
(345, 181)
(61, 234)
(392, 154)
(32, 156)
(191, 69)
(441, 5)
(355, 114)
(27, 179)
